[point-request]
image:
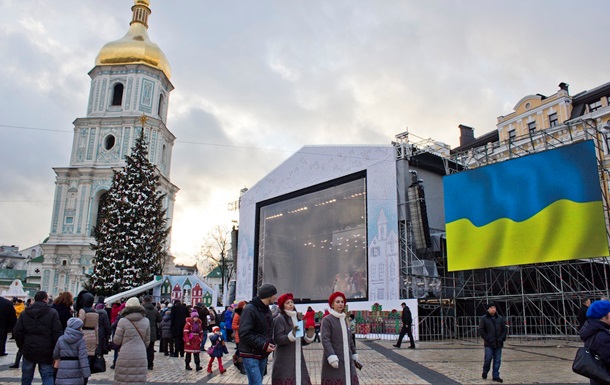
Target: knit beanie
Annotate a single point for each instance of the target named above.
(133, 301)
(266, 290)
(194, 313)
(598, 309)
(75, 323)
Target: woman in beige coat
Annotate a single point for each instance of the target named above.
(133, 335)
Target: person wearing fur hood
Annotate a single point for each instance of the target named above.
(339, 351)
(289, 365)
(133, 336)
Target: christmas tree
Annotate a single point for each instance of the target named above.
(131, 235)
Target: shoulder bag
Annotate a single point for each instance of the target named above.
(97, 363)
(588, 364)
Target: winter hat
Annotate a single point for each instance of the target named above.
(283, 298)
(241, 304)
(266, 290)
(194, 313)
(133, 301)
(99, 306)
(215, 329)
(598, 309)
(75, 323)
(489, 304)
(334, 295)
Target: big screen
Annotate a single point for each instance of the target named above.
(543, 207)
(314, 242)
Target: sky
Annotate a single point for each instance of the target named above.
(257, 80)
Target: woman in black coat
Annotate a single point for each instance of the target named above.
(63, 305)
(595, 333)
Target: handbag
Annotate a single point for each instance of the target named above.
(588, 364)
(97, 363)
(210, 350)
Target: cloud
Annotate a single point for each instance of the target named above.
(256, 81)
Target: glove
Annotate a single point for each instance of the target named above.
(294, 330)
(310, 332)
(333, 361)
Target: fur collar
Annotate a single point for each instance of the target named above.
(133, 310)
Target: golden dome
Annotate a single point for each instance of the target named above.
(135, 47)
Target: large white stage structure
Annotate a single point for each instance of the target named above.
(330, 219)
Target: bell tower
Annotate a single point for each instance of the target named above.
(131, 79)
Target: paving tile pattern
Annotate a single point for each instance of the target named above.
(444, 363)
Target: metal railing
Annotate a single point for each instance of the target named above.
(442, 328)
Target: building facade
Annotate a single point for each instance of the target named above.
(131, 79)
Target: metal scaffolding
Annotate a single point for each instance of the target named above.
(539, 300)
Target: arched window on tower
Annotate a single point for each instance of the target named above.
(101, 210)
(117, 94)
(160, 109)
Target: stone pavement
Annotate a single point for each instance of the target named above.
(436, 363)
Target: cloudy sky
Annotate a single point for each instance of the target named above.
(257, 80)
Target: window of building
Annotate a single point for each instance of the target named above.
(160, 109)
(553, 120)
(64, 263)
(117, 94)
(69, 220)
(109, 142)
(512, 134)
(595, 106)
(531, 126)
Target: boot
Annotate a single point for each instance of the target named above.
(220, 367)
(188, 367)
(198, 368)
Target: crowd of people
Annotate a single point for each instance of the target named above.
(66, 337)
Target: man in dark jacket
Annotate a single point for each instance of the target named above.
(582, 312)
(36, 333)
(8, 317)
(256, 333)
(407, 322)
(178, 317)
(492, 329)
(154, 317)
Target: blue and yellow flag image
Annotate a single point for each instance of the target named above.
(543, 207)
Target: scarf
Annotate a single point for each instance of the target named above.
(345, 341)
(297, 348)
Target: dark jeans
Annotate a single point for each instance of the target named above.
(406, 329)
(167, 345)
(496, 355)
(3, 337)
(179, 346)
(255, 370)
(27, 373)
(150, 353)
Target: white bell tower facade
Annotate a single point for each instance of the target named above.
(130, 80)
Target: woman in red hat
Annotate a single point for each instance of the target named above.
(339, 352)
(289, 363)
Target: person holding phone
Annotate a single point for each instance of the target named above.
(256, 334)
(289, 365)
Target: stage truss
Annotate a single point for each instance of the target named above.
(540, 301)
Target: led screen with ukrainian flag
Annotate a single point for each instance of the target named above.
(543, 207)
